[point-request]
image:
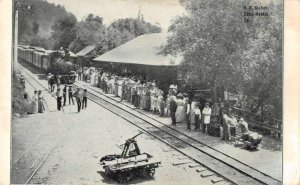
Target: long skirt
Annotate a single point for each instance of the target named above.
(143, 102)
(128, 94)
(120, 91)
(180, 114)
(116, 90)
(154, 103)
(33, 107)
(148, 103)
(132, 99)
(137, 101)
(41, 106)
(192, 117)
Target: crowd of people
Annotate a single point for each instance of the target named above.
(181, 109)
(146, 96)
(35, 104)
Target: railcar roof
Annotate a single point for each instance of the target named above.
(143, 50)
(85, 50)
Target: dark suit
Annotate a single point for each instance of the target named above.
(173, 108)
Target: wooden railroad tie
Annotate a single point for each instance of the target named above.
(200, 169)
(181, 163)
(217, 179)
(168, 150)
(194, 165)
(206, 174)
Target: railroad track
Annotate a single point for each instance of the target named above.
(229, 168)
(159, 129)
(36, 85)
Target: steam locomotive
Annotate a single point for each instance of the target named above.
(57, 62)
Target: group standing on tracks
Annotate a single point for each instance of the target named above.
(62, 95)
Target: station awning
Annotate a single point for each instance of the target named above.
(143, 50)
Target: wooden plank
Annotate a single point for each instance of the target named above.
(194, 165)
(183, 158)
(168, 150)
(200, 169)
(181, 163)
(206, 174)
(217, 179)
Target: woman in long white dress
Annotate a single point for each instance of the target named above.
(180, 113)
(41, 106)
(192, 115)
(34, 103)
(120, 82)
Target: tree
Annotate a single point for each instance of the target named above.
(211, 37)
(36, 18)
(262, 64)
(136, 27)
(220, 49)
(64, 31)
(91, 31)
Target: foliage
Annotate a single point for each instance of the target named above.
(220, 49)
(92, 31)
(38, 20)
(41, 42)
(64, 31)
(135, 27)
(88, 32)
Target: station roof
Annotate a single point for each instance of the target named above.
(143, 50)
(85, 50)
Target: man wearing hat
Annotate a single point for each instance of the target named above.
(70, 94)
(188, 113)
(78, 97)
(65, 95)
(58, 81)
(84, 99)
(173, 108)
(206, 112)
(58, 98)
(197, 112)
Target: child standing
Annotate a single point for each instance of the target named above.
(197, 117)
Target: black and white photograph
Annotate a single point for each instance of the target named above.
(147, 92)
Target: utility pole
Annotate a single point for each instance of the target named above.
(15, 59)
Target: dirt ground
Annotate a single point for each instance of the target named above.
(80, 140)
(76, 142)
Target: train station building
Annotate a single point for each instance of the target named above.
(140, 56)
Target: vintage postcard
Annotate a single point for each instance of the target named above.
(151, 92)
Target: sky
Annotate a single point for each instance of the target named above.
(154, 11)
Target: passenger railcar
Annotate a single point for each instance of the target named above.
(49, 61)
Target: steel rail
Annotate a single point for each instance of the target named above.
(189, 137)
(51, 148)
(199, 149)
